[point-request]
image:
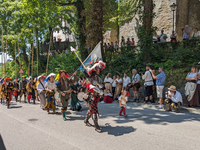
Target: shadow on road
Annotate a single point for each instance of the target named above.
(11, 107)
(2, 146)
(118, 130)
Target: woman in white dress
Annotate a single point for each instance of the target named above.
(108, 83)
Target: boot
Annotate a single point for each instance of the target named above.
(63, 112)
(16, 98)
(8, 105)
(86, 121)
(20, 99)
(34, 101)
(48, 110)
(25, 99)
(97, 126)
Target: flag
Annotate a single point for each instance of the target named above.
(94, 56)
(73, 49)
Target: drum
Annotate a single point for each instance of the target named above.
(80, 96)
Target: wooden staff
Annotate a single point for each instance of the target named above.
(37, 56)
(29, 61)
(18, 51)
(5, 57)
(48, 54)
(15, 61)
(32, 54)
(123, 87)
(2, 49)
(73, 50)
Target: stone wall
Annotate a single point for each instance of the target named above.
(163, 20)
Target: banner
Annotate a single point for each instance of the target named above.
(93, 57)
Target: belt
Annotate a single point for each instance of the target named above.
(193, 81)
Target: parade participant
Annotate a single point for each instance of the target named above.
(122, 102)
(22, 88)
(31, 86)
(64, 90)
(16, 86)
(93, 85)
(41, 91)
(108, 83)
(75, 105)
(174, 98)
(8, 89)
(2, 96)
(118, 88)
(50, 88)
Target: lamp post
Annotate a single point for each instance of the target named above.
(173, 8)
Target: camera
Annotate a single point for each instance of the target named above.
(141, 73)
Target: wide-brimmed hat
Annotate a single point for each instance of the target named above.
(172, 88)
(8, 78)
(42, 76)
(61, 71)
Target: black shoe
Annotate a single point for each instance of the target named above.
(134, 100)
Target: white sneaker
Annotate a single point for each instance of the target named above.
(102, 102)
(160, 107)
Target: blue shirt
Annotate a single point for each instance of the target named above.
(161, 79)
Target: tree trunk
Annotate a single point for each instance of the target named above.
(25, 56)
(81, 28)
(148, 18)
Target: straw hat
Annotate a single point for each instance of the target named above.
(172, 88)
(61, 71)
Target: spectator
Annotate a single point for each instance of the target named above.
(126, 81)
(55, 52)
(54, 39)
(108, 97)
(123, 44)
(108, 83)
(59, 52)
(116, 46)
(195, 34)
(114, 85)
(148, 89)
(173, 37)
(163, 36)
(160, 82)
(155, 37)
(66, 51)
(132, 42)
(111, 45)
(105, 46)
(186, 33)
(174, 98)
(128, 42)
(108, 46)
(136, 84)
(191, 91)
(118, 88)
(123, 38)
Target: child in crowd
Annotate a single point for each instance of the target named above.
(108, 98)
(122, 102)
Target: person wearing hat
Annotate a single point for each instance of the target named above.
(64, 90)
(41, 91)
(31, 86)
(22, 87)
(50, 88)
(8, 89)
(174, 98)
(16, 86)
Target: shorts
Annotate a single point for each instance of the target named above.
(148, 91)
(135, 89)
(173, 104)
(159, 89)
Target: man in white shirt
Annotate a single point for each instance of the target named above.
(41, 91)
(174, 98)
(163, 36)
(127, 81)
(148, 90)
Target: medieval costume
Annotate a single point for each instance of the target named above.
(16, 86)
(2, 96)
(64, 90)
(122, 103)
(22, 87)
(108, 98)
(50, 88)
(41, 91)
(75, 105)
(94, 86)
(8, 89)
(31, 86)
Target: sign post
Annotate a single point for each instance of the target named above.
(21, 72)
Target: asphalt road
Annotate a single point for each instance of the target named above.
(27, 127)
